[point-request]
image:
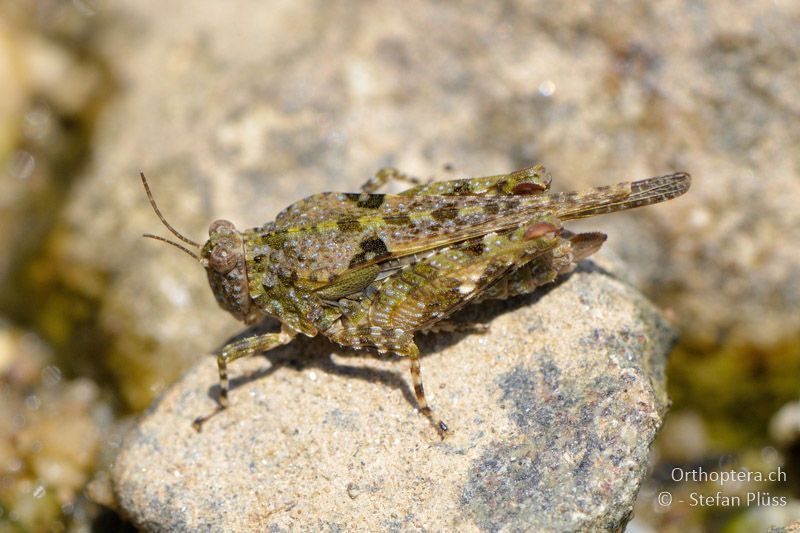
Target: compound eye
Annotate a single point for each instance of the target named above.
(220, 224)
(222, 259)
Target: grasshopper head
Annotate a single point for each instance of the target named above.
(223, 258)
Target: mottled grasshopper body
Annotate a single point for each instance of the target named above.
(370, 270)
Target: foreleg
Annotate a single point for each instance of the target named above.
(236, 350)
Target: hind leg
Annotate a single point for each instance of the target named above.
(544, 269)
(427, 292)
(529, 180)
(419, 393)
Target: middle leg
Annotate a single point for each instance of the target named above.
(385, 175)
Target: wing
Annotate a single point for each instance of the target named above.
(326, 235)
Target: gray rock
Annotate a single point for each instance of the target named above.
(552, 415)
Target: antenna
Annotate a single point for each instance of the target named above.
(164, 220)
(175, 244)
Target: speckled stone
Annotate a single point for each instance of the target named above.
(552, 415)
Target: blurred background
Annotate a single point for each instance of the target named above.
(235, 109)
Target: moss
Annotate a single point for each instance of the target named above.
(735, 387)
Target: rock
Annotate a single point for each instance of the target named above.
(552, 415)
(794, 527)
(45, 462)
(772, 519)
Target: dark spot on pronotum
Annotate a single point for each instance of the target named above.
(348, 224)
(374, 245)
(368, 201)
(372, 248)
(275, 239)
(461, 187)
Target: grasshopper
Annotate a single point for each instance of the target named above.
(369, 270)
